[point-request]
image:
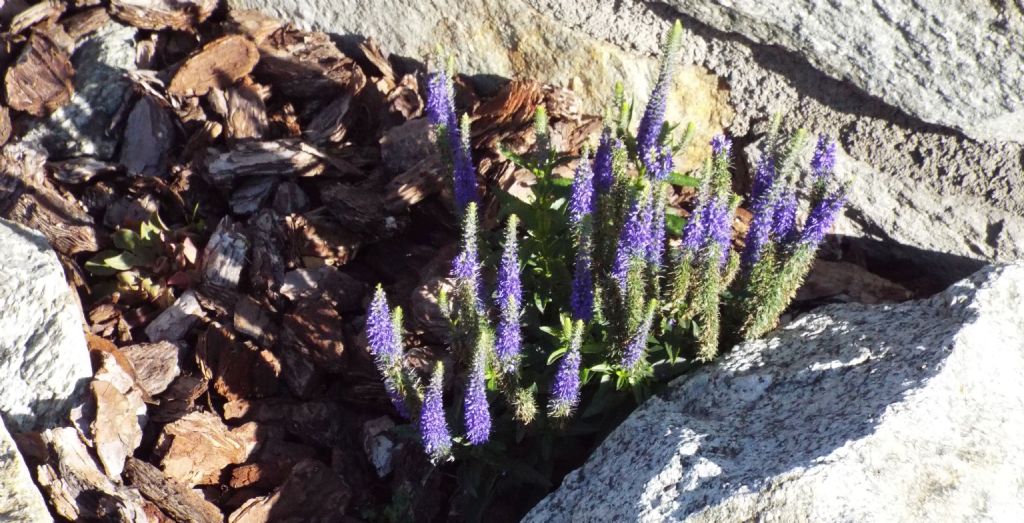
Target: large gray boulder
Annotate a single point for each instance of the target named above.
(909, 412)
(956, 63)
(20, 500)
(44, 359)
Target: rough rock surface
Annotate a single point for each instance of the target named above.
(956, 63)
(511, 39)
(851, 413)
(80, 128)
(20, 500)
(44, 360)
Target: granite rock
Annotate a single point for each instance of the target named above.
(850, 413)
(44, 359)
(20, 500)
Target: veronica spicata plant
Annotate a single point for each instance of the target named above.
(568, 331)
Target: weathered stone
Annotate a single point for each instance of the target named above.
(79, 128)
(44, 359)
(952, 62)
(509, 38)
(20, 500)
(851, 413)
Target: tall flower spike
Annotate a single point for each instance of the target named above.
(440, 106)
(581, 299)
(824, 159)
(764, 177)
(437, 440)
(603, 176)
(721, 145)
(821, 218)
(382, 342)
(464, 172)
(466, 266)
(656, 247)
(565, 391)
(649, 132)
(633, 239)
(475, 408)
(638, 341)
(784, 217)
(660, 163)
(509, 301)
(719, 231)
(581, 202)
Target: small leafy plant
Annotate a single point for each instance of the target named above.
(574, 329)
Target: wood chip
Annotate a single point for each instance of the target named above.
(251, 193)
(313, 492)
(172, 497)
(306, 65)
(85, 22)
(41, 78)
(26, 197)
(254, 24)
(316, 235)
(156, 365)
(509, 111)
(266, 270)
(224, 255)
(76, 488)
(174, 323)
(196, 448)
(148, 138)
(273, 463)
(77, 171)
(328, 124)
(5, 124)
(314, 329)
(254, 320)
(116, 429)
(242, 107)
(239, 370)
(46, 10)
(217, 65)
(179, 398)
(267, 158)
(181, 15)
(359, 208)
(290, 198)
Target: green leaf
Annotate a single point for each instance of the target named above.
(126, 239)
(108, 263)
(683, 180)
(675, 224)
(554, 356)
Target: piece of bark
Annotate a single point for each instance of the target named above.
(5, 125)
(243, 109)
(359, 208)
(116, 429)
(85, 22)
(266, 269)
(40, 80)
(172, 497)
(404, 103)
(156, 365)
(290, 199)
(314, 329)
(218, 64)
(406, 145)
(302, 377)
(179, 399)
(238, 370)
(345, 292)
(307, 64)
(77, 171)
(26, 197)
(174, 323)
(423, 180)
(315, 235)
(224, 255)
(197, 447)
(328, 124)
(46, 10)
(313, 492)
(271, 466)
(148, 138)
(250, 194)
(377, 58)
(180, 15)
(76, 488)
(263, 158)
(510, 110)
(254, 320)
(252, 23)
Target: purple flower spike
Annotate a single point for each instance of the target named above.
(656, 247)
(475, 407)
(565, 391)
(464, 172)
(821, 218)
(824, 159)
(759, 232)
(381, 338)
(437, 440)
(581, 300)
(581, 203)
(440, 107)
(660, 163)
(509, 302)
(637, 343)
(633, 240)
(649, 132)
(721, 145)
(396, 398)
(603, 177)
(784, 217)
(695, 233)
(466, 266)
(764, 178)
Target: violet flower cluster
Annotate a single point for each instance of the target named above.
(452, 136)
